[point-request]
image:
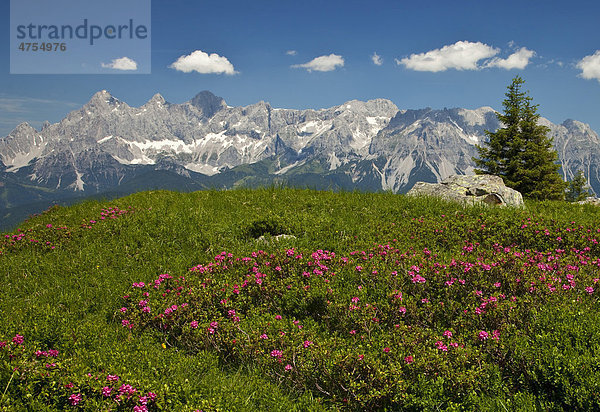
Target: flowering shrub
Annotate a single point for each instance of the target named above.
(44, 376)
(48, 236)
(361, 329)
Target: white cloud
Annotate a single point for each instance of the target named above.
(291, 52)
(377, 59)
(322, 63)
(462, 55)
(590, 66)
(517, 60)
(203, 63)
(124, 63)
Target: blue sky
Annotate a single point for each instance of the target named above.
(315, 54)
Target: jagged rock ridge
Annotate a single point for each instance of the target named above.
(368, 145)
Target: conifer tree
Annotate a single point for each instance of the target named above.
(521, 152)
(578, 188)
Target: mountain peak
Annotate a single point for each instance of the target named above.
(206, 94)
(575, 126)
(102, 98)
(102, 94)
(23, 128)
(156, 99)
(570, 123)
(208, 103)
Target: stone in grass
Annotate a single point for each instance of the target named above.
(594, 201)
(276, 238)
(471, 189)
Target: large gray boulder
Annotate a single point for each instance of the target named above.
(594, 201)
(471, 189)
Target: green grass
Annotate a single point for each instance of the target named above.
(67, 298)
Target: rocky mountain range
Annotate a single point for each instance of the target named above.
(109, 146)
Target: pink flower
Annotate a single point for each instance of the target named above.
(2, 343)
(386, 349)
(277, 317)
(112, 378)
(18, 339)
(361, 357)
(74, 399)
(276, 353)
(123, 310)
(497, 284)
(307, 343)
(483, 335)
(355, 299)
(353, 332)
(288, 367)
(409, 359)
(127, 390)
(447, 334)
(106, 390)
(194, 324)
(152, 396)
(402, 309)
(589, 290)
(140, 408)
(496, 335)
(418, 279)
(264, 336)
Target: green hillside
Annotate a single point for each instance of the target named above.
(173, 301)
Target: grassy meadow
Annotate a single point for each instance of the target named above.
(170, 301)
